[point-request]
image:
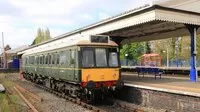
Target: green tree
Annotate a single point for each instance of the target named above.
(198, 46)
(41, 36)
(148, 47)
(134, 51)
(7, 47)
(47, 35)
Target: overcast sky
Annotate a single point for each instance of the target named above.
(20, 19)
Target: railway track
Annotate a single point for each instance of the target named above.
(98, 108)
(73, 100)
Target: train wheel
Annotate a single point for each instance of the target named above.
(89, 96)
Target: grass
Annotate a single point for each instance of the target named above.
(14, 101)
(4, 107)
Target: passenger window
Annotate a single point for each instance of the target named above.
(46, 59)
(53, 58)
(40, 59)
(58, 58)
(37, 59)
(28, 60)
(43, 61)
(49, 59)
(63, 57)
(33, 59)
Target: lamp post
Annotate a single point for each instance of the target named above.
(167, 57)
(4, 53)
(177, 47)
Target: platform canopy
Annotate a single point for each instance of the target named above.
(149, 22)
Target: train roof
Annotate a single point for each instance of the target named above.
(66, 42)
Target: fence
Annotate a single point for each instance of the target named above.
(172, 63)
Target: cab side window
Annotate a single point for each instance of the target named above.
(72, 58)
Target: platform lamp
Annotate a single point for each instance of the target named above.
(126, 55)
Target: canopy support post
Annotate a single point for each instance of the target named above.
(193, 71)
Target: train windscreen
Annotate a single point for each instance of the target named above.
(100, 57)
(87, 57)
(113, 57)
(101, 60)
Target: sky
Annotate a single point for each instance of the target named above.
(20, 19)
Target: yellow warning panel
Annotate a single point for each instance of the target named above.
(100, 74)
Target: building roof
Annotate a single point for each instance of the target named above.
(18, 49)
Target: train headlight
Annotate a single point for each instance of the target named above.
(113, 88)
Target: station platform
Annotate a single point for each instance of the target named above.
(178, 84)
(172, 92)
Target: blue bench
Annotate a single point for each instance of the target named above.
(149, 70)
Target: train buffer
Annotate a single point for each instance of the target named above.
(2, 89)
(149, 70)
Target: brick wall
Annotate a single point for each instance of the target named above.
(160, 100)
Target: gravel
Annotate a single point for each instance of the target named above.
(51, 102)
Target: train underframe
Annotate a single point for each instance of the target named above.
(90, 92)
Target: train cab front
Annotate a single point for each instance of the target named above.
(100, 69)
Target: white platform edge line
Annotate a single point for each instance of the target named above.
(164, 90)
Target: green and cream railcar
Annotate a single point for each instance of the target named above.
(75, 66)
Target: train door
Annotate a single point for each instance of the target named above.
(57, 65)
(37, 65)
(53, 64)
(45, 65)
(40, 65)
(72, 63)
(63, 68)
(50, 65)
